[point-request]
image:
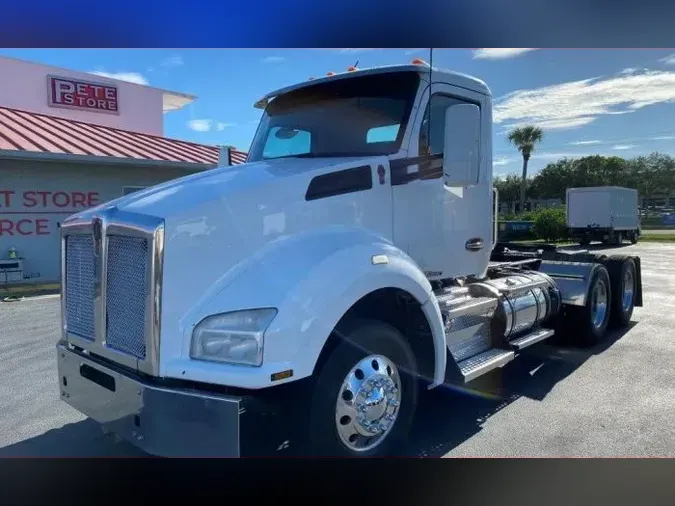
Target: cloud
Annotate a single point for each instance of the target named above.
(632, 71)
(585, 143)
(502, 160)
(172, 61)
(578, 103)
(500, 53)
(273, 59)
(131, 77)
(206, 125)
(668, 60)
(623, 147)
(354, 50)
(664, 138)
(200, 125)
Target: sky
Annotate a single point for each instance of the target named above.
(608, 102)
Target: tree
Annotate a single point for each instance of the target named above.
(525, 138)
(650, 175)
(508, 187)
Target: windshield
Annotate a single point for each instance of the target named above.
(356, 116)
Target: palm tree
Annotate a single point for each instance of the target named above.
(525, 138)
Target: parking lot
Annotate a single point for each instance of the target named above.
(616, 400)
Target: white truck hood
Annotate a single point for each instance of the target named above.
(217, 221)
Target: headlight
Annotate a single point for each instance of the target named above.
(235, 338)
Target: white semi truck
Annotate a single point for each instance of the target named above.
(308, 296)
(603, 213)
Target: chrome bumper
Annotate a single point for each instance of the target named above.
(161, 421)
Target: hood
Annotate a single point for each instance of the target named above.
(216, 221)
(166, 199)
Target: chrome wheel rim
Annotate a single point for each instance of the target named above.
(599, 304)
(368, 403)
(628, 289)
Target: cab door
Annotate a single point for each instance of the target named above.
(445, 226)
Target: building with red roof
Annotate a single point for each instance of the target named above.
(71, 140)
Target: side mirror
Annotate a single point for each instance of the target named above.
(461, 146)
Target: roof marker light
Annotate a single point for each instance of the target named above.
(418, 61)
(352, 68)
(330, 74)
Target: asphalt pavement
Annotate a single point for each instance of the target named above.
(615, 400)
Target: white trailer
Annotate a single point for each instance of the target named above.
(603, 213)
(305, 298)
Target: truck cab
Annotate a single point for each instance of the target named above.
(343, 269)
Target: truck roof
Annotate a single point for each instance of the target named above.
(439, 75)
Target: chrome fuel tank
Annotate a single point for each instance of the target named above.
(527, 299)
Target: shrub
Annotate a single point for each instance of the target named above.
(550, 225)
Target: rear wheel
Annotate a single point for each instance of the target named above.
(633, 237)
(618, 239)
(590, 321)
(623, 275)
(365, 396)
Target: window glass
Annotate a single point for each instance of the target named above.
(439, 104)
(283, 141)
(386, 133)
(356, 116)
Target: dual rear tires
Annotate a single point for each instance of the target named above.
(609, 304)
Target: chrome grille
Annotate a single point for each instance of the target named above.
(79, 292)
(126, 294)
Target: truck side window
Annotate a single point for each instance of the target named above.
(387, 133)
(282, 141)
(435, 112)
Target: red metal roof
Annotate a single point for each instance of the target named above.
(22, 131)
(237, 157)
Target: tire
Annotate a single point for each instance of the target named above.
(633, 237)
(623, 275)
(584, 242)
(585, 331)
(618, 239)
(336, 432)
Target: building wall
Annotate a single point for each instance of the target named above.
(35, 196)
(24, 87)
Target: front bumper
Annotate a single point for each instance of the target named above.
(166, 421)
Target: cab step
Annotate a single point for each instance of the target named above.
(531, 338)
(482, 363)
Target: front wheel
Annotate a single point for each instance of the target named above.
(365, 396)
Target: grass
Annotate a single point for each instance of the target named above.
(646, 237)
(28, 290)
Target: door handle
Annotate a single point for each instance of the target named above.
(475, 244)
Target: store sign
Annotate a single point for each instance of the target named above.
(35, 212)
(82, 95)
